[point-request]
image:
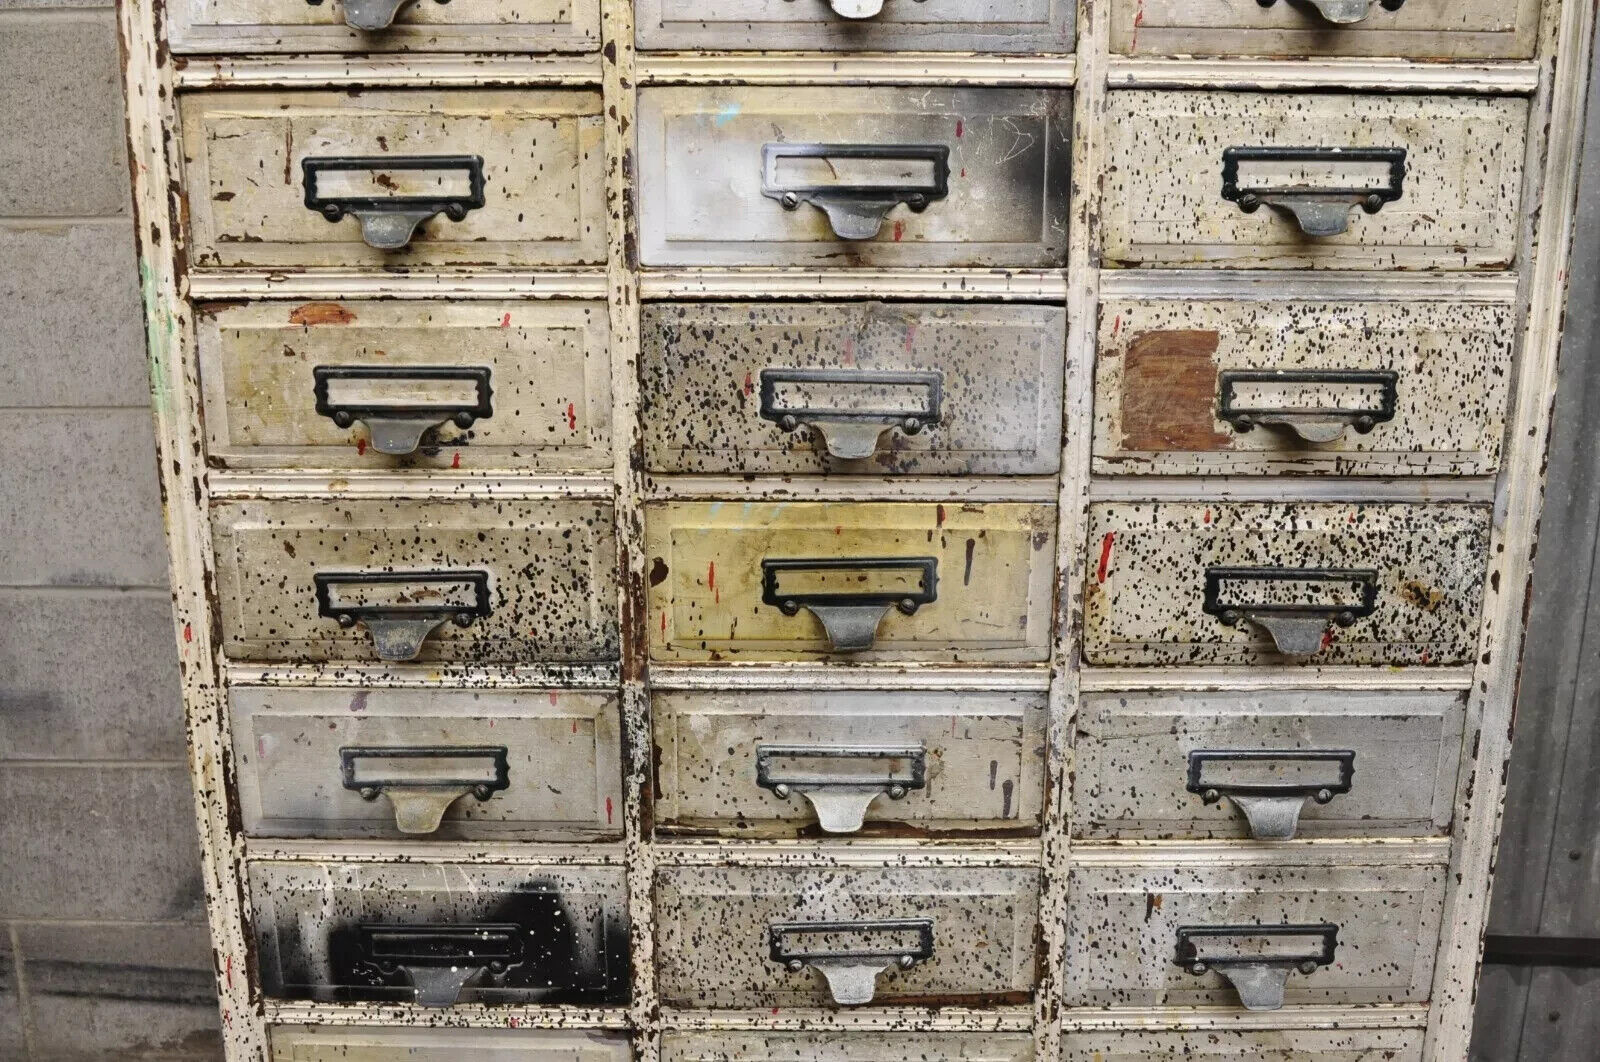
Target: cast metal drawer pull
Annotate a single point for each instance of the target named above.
(1258, 974)
(851, 973)
(1319, 210)
(438, 961)
(1314, 424)
(851, 433)
(389, 222)
(841, 798)
(398, 630)
(1271, 807)
(1345, 12)
(444, 775)
(856, 211)
(1297, 627)
(856, 8)
(850, 618)
(397, 427)
(370, 15)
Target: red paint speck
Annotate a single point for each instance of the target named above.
(850, 350)
(711, 581)
(959, 127)
(899, 230)
(749, 384)
(361, 447)
(608, 811)
(574, 726)
(1105, 556)
(1206, 519)
(911, 335)
(1116, 324)
(663, 622)
(455, 462)
(963, 171)
(838, 529)
(188, 636)
(505, 322)
(228, 969)
(1327, 640)
(572, 417)
(553, 697)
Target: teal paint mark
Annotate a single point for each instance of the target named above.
(729, 112)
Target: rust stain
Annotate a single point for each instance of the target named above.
(1169, 392)
(318, 313)
(1427, 598)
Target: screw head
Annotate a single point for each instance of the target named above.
(1242, 424)
(346, 620)
(464, 420)
(455, 211)
(370, 792)
(795, 965)
(1365, 423)
(343, 418)
(1308, 967)
(1229, 618)
(907, 606)
(788, 422)
(462, 619)
(789, 608)
(1198, 967)
(897, 792)
(907, 961)
(911, 425)
(482, 792)
(1372, 203)
(332, 211)
(1249, 202)
(790, 201)
(1324, 795)
(1210, 796)
(781, 789)
(1344, 619)
(917, 202)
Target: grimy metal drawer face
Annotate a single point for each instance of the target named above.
(761, 937)
(796, 763)
(522, 170)
(388, 763)
(857, 25)
(1276, 1045)
(863, 387)
(1125, 924)
(386, 385)
(369, 580)
(440, 934)
(842, 177)
(873, 1046)
(311, 1043)
(401, 25)
(1156, 765)
(850, 581)
(1256, 387)
(1175, 583)
(1193, 181)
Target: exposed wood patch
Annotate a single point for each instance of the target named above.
(1169, 392)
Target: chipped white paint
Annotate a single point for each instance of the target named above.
(318, 1044)
(418, 26)
(1344, 1045)
(845, 1047)
(812, 25)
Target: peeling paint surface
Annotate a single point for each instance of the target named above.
(846, 1047)
(1283, 1045)
(325, 1044)
(464, 25)
(926, 25)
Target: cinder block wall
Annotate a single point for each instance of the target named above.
(103, 949)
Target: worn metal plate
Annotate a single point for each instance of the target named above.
(901, 25)
(246, 190)
(572, 927)
(1159, 379)
(547, 364)
(875, 1046)
(1147, 572)
(1122, 926)
(562, 749)
(1131, 760)
(1458, 208)
(312, 1043)
(419, 26)
(551, 570)
(984, 754)
(1220, 1045)
(994, 561)
(999, 370)
(700, 185)
(983, 932)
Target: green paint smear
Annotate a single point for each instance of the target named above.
(160, 331)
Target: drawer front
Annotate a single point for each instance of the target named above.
(854, 581)
(1456, 205)
(250, 156)
(970, 932)
(381, 385)
(427, 933)
(418, 26)
(986, 166)
(1433, 29)
(1251, 583)
(898, 25)
(915, 388)
(1200, 764)
(371, 580)
(1277, 1045)
(427, 763)
(311, 1043)
(1126, 924)
(1390, 388)
(873, 1046)
(785, 764)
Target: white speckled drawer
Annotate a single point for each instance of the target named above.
(312, 1043)
(256, 26)
(1224, 1045)
(889, 25)
(876, 1046)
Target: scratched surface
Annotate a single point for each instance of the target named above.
(541, 154)
(846, 1047)
(984, 754)
(549, 374)
(993, 602)
(700, 153)
(1458, 208)
(551, 567)
(422, 26)
(712, 946)
(1158, 382)
(1147, 564)
(999, 368)
(292, 1043)
(1282, 1045)
(902, 25)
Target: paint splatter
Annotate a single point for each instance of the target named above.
(1105, 556)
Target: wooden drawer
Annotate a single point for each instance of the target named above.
(988, 167)
(1172, 154)
(531, 382)
(1174, 376)
(1432, 29)
(323, 1043)
(1276, 1045)
(1196, 764)
(389, 763)
(252, 160)
(426, 933)
(871, 387)
(850, 580)
(968, 933)
(397, 26)
(854, 25)
(875, 1046)
(392, 580)
(1177, 583)
(766, 763)
(1250, 920)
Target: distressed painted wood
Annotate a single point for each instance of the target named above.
(994, 367)
(700, 189)
(1344, 1045)
(321, 1044)
(257, 26)
(547, 374)
(1159, 386)
(919, 25)
(846, 1047)
(1458, 207)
